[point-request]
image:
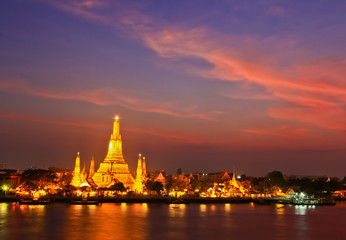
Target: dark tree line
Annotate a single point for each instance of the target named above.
(307, 185)
(37, 178)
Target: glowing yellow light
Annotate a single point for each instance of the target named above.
(227, 207)
(203, 209)
(116, 117)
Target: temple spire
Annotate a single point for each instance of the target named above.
(76, 180)
(144, 168)
(114, 165)
(77, 166)
(92, 167)
(115, 152)
(138, 186)
(84, 175)
(116, 131)
(139, 166)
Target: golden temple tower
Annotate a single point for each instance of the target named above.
(144, 168)
(114, 166)
(92, 168)
(76, 180)
(84, 176)
(138, 186)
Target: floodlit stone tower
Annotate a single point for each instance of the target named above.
(84, 176)
(76, 180)
(144, 168)
(92, 168)
(138, 186)
(114, 166)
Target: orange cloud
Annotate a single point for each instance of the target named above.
(312, 91)
(318, 86)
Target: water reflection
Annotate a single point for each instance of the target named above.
(301, 223)
(177, 221)
(203, 209)
(300, 209)
(227, 207)
(24, 218)
(4, 209)
(280, 209)
(109, 221)
(280, 222)
(177, 210)
(163, 221)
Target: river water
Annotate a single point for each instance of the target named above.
(163, 221)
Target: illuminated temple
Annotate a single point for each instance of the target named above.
(76, 180)
(114, 168)
(141, 175)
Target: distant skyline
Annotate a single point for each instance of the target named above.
(199, 85)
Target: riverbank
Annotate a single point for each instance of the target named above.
(151, 199)
(135, 199)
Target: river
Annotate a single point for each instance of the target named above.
(163, 221)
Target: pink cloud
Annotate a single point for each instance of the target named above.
(111, 97)
(318, 86)
(312, 92)
(82, 8)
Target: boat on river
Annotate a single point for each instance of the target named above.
(34, 201)
(84, 201)
(313, 201)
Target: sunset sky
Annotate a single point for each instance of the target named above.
(200, 85)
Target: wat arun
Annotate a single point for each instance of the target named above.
(114, 168)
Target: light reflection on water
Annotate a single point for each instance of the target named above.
(203, 209)
(3, 218)
(175, 221)
(227, 207)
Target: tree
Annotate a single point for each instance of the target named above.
(276, 178)
(334, 185)
(119, 187)
(68, 190)
(169, 184)
(157, 187)
(154, 186)
(205, 185)
(264, 186)
(37, 178)
(195, 184)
